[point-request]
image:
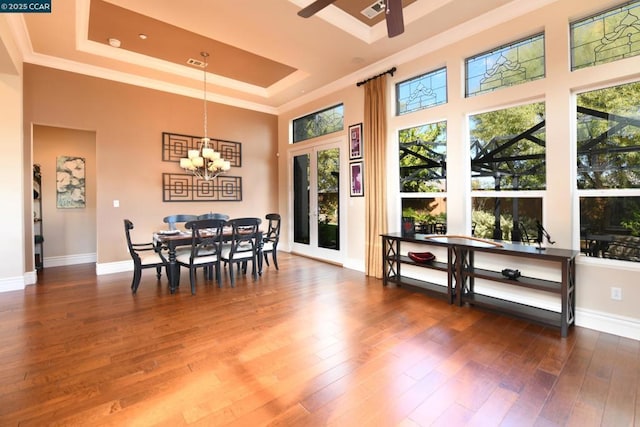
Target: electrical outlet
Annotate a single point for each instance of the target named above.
(616, 294)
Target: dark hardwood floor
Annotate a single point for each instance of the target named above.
(309, 345)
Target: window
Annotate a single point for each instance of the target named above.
(606, 37)
(508, 154)
(508, 149)
(418, 93)
(422, 154)
(429, 214)
(508, 65)
(319, 123)
(506, 218)
(608, 171)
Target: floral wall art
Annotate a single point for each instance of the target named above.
(70, 185)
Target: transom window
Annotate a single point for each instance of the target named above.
(418, 93)
(319, 123)
(508, 65)
(605, 37)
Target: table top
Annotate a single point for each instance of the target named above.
(488, 245)
(163, 236)
(184, 237)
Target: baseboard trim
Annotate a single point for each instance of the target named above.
(114, 267)
(59, 261)
(355, 264)
(13, 283)
(621, 326)
(30, 278)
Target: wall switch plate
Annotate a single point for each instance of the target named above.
(116, 203)
(616, 294)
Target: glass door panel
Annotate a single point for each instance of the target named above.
(301, 207)
(328, 197)
(316, 202)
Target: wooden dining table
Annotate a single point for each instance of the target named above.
(173, 240)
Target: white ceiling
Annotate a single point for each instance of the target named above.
(328, 51)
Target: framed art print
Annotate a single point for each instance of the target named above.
(70, 182)
(356, 175)
(355, 141)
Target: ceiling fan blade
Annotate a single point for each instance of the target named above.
(393, 15)
(314, 8)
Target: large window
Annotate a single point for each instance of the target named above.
(319, 123)
(608, 171)
(508, 65)
(606, 37)
(418, 93)
(422, 153)
(508, 149)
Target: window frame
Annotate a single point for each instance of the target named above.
(606, 193)
(421, 194)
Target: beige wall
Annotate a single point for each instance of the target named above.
(595, 277)
(128, 122)
(68, 233)
(12, 173)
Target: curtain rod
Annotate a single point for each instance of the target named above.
(389, 71)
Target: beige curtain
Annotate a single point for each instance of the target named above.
(375, 132)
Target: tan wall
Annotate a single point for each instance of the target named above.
(128, 122)
(66, 231)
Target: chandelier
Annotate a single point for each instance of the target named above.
(205, 162)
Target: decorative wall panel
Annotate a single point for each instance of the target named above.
(176, 146)
(183, 187)
(178, 187)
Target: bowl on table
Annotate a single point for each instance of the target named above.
(421, 257)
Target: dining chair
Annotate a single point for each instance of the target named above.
(172, 220)
(271, 239)
(206, 236)
(243, 247)
(144, 255)
(212, 215)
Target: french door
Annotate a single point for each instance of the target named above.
(315, 205)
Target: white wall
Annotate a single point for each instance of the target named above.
(595, 277)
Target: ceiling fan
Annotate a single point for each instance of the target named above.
(392, 14)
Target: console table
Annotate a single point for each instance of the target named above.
(461, 274)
